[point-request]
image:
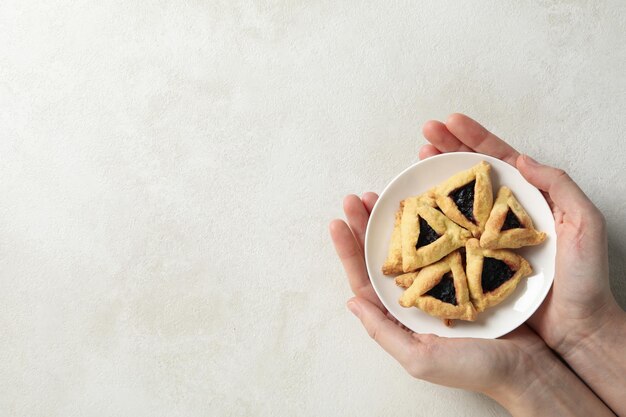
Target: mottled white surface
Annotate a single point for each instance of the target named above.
(168, 170)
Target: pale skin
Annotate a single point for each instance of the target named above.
(580, 320)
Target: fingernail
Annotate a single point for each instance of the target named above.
(354, 308)
(530, 161)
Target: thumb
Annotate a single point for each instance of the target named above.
(390, 336)
(419, 354)
(563, 191)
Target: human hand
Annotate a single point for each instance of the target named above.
(580, 311)
(505, 369)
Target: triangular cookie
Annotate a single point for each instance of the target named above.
(509, 226)
(427, 235)
(492, 274)
(467, 197)
(441, 290)
(393, 263)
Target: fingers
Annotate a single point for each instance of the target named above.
(397, 342)
(463, 363)
(442, 139)
(427, 151)
(479, 139)
(561, 189)
(352, 260)
(357, 216)
(369, 199)
(461, 133)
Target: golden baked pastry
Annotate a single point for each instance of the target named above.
(466, 198)
(509, 226)
(429, 230)
(393, 263)
(492, 274)
(427, 235)
(441, 290)
(405, 280)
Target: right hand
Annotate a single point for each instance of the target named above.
(580, 307)
(580, 299)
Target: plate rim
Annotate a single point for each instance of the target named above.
(488, 158)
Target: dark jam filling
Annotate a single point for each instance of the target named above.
(495, 273)
(511, 221)
(427, 234)
(463, 197)
(444, 291)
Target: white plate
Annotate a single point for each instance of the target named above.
(497, 320)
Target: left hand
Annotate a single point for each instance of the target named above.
(517, 370)
(492, 367)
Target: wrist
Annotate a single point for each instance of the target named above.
(522, 386)
(598, 358)
(542, 385)
(592, 333)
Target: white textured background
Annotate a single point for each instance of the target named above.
(168, 170)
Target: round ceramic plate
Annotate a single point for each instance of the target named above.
(493, 322)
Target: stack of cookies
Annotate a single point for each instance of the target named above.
(450, 247)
